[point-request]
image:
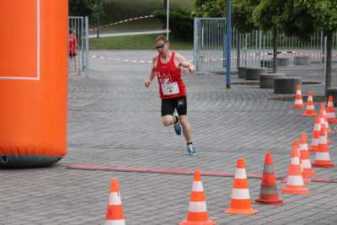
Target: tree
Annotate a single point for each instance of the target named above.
(242, 15)
(91, 8)
(243, 20)
(181, 23)
(269, 15)
(209, 8)
(324, 18)
(80, 8)
(298, 21)
(164, 4)
(97, 7)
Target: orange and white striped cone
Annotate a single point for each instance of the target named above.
(298, 98)
(197, 211)
(331, 112)
(295, 183)
(240, 199)
(322, 155)
(324, 119)
(269, 193)
(114, 214)
(307, 172)
(295, 146)
(316, 135)
(310, 107)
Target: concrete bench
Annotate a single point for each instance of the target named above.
(253, 73)
(267, 79)
(242, 72)
(267, 63)
(286, 85)
(282, 61)
(302, 60)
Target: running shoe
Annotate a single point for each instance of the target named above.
(191, 150)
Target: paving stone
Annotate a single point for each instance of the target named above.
(114, 120)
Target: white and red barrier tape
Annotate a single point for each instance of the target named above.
(126, 21)
(120, 60)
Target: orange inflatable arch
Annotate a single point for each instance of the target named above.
(33, 82)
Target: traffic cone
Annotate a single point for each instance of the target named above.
(197, 211)
(331, 112)
(240, 199)
(307, 172)
(298, 98)
(324, 118)
(295, 146)
(295, 182)
(316, 134)
(310, 107)
(269, 193)
(322, 155)
(114, 214)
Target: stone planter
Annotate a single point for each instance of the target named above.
(242, 72)
(286, 85)
(267, 63)
(302, 60)
(282, 61)
(253, 73)
(267, 79)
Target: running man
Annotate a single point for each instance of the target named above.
(167, 67)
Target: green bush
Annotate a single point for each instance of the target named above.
(181, 23)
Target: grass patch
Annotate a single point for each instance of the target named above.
(137, 42)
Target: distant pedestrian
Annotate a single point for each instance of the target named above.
(72, 46)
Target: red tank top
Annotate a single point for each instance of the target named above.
(169, 78)
(72, 44)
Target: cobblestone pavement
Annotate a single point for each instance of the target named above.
(114, 120)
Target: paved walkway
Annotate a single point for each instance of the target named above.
(114, 120)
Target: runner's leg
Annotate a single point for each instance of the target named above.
(187, 128)
(168, 120)
(167, 109)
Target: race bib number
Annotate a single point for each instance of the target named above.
(170, 88)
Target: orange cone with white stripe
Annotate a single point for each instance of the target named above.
(295, 182)
(114, 214)
(323, 116)
(310, 107)
(298, 98)
(240, 199)
(197, 211)
(331, 112)
(269, 193)
(295, 146)
(322, 155)
(307, 170)
(316, 135)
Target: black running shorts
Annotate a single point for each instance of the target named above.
(169, 105)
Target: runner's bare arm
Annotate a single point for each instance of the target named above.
(184, 63)
(152, 73)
